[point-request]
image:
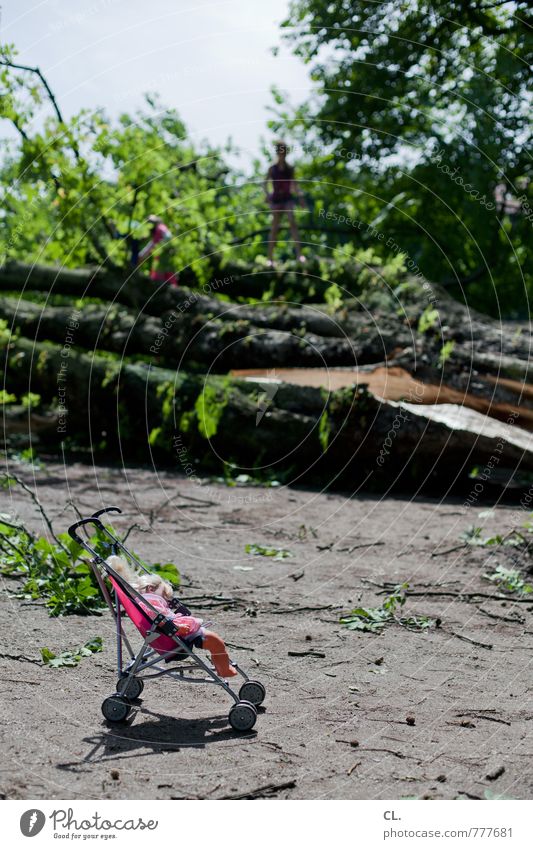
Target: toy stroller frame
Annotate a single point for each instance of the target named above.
(133, 673)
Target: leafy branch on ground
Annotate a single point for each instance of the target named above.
(509, 580)
(374, 619)
(515, 537)
(58, 570)
(71, 657)
(266, 551)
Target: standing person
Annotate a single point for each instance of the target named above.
(159, 234)
(282, 199)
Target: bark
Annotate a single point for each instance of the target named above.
(135, 289)
(231, 338)
(191, 421)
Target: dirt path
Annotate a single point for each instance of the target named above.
(336, 722)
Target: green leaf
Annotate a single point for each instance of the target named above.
(265, 551)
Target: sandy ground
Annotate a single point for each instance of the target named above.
(335, 723)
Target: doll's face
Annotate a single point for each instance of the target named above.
(161, 588)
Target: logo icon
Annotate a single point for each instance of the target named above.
(270, 388)
(32, 822)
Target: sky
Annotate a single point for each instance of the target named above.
(209, 59)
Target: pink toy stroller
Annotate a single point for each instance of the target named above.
(161, 644)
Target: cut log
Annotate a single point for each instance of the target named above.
(230, 338)
(189, 421)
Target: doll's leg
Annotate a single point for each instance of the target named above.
(219, 655)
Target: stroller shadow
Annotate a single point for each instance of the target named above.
(161, 733)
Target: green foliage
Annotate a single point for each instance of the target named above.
(419, 111)
(428, 320)
(473, 536)
(445, 352)
(31, 399)
(53, 571)
(509, 580)
(69, 657)
(267, 551)
(210, 406)
(110, 174)
(374, 619)
(333, 296)
(5, 333)
(7, 397)
(168, 571)
(58, 570)
(324, 430)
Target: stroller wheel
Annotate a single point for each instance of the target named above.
(252, 691)
(242, 716)
(115, 709)
(130, 688)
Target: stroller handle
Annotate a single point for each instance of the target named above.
(106, 510)
(92, 520)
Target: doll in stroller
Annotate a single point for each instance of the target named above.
(171, 634)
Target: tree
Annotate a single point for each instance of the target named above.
(420, 121)
(69, 186)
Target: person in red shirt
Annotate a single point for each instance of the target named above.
(159, 234)
(285, 192)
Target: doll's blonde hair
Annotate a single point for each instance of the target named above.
(140, 582)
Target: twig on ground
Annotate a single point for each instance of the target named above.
(216, 599)
(468, 640)
(353, 767)
(20, 657)
(310, 653)
(297, 575)
(304, 609)
(460, 595)
(201, 502)
(266, 792)
(361, 545)
(482, 716)
(389, 752)
(516, 619)
(449, 550)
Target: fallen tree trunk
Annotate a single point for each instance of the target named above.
(135, 289)
(235, 338)
(196, 423)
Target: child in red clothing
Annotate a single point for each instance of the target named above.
(159, 594)
(159, 234)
